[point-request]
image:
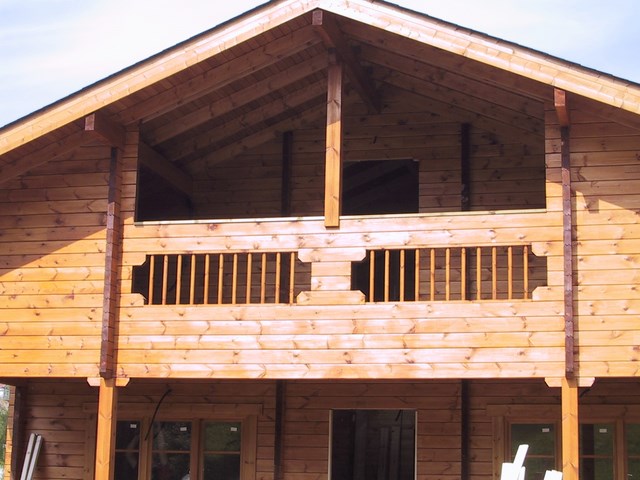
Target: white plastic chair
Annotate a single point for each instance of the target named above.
(515, 470)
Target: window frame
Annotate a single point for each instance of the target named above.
(506, 415)
(245, 414)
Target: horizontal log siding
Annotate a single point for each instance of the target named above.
(605, 171)
(52, 265)
(52, 239)
(63, 413)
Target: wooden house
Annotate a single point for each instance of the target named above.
(327, 239)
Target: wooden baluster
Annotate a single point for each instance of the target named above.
(292, 275)
(417, 275)
(192, 281)
(234, 280)
(263, 279)
(494, 273)
(386, 275)
(372, 276)
(165, 278)
(402, 266)
(178, 278)
(278, 273)
(220, 277)
(463, 273)
(207, 269)
(509, 272)
(152, 266)
(525, 271)
(479, 273)
(447, 274)
(432, 275)
(249, 272)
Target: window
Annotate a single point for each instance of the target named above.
(596, 451)
(632, 439)
(171, 451)
(197, 449)
(373, 444)
(127, 450)
(542, 454)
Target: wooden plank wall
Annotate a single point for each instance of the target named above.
(605, 171)
(61, 412)
(52, 266)
(52, 223)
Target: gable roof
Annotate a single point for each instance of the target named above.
(180, 82)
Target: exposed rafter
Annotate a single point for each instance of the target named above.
(157, 163)
(301, 120)
(562, 109)
(333, 38)
(102, 129)
(220, 76)
(236, 100)
(45, 154)
(195, 145)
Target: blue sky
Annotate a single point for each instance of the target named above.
(52, 48)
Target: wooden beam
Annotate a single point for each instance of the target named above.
(278, 448)
(235, 100)
(220, 76)
(333, 154)
(287, 162)
(16, 432)
(102, 129)
(269, 132)
(106, 430)
(328, 29)
(562, 109)
(570, 430)
(567, 239)
(198, 145)
(51, 152)
(113, 254)
(158, 164)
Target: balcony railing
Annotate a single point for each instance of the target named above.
(478, 256)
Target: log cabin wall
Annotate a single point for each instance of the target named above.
(64, 413)
(52, 243)
(605, 170)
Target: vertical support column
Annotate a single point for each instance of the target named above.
(112, 266)
(570, 430)
(333, 155)
(105, 437)
(278, 448)
(287, 160)
(15, 433)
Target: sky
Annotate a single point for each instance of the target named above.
(52, 48)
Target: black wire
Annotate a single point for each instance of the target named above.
(156, 412)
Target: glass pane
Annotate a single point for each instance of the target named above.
(127, 435)
(596, 469)
(541, 438)
(633, 439)
(221, 467)
(171, 466)
(222, 436)
(633, 468)
(172, 436)
(537, 467)
(596, 439)
(126, 467)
